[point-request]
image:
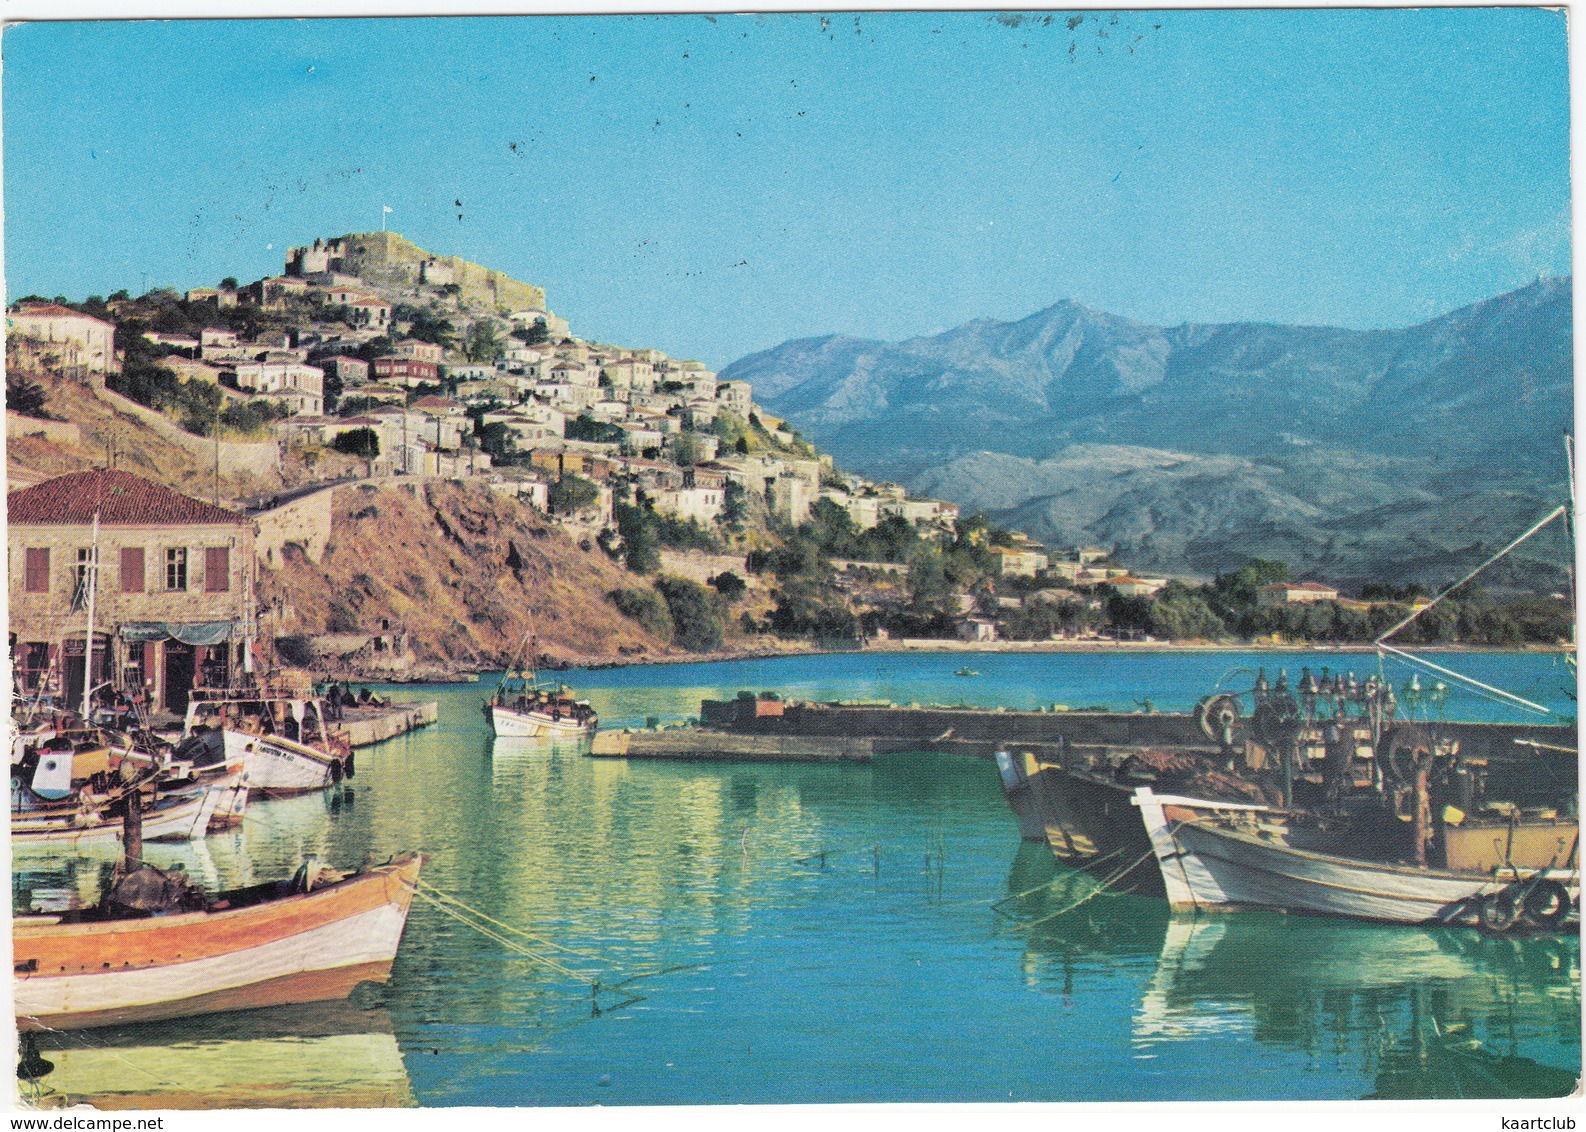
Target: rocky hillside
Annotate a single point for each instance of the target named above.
(466, 571)
(1351, 454)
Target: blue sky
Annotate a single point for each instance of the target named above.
(714, 185)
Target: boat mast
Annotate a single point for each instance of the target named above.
(91, 580)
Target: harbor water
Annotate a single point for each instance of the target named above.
(605, 931)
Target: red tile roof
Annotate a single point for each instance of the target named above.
(119, 497)
(55, 310)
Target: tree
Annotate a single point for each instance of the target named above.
(587, 428)
(696, 612)
(229, 283)
(646, 607)
(571, 494)
(686, 450)
(363, 442)
(641, 544)
(483, 342)
(25, 397)
(729, 585)
(498, 442)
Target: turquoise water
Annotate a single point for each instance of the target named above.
(805, 933)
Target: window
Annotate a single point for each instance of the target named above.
(37, 574)
(176, 568)
(132, 581)
(80, 577)
(217, 569)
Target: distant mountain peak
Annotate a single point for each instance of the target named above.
(1403, 419)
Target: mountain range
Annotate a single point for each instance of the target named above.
(1391, 455)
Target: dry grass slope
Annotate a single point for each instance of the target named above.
(438, 559)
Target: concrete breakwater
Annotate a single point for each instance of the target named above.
(703, 743)
(1520, 761)
(365, 726)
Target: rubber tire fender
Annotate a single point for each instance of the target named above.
(1499, 911)
(1546, 904)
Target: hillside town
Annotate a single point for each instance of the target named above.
(369, 362)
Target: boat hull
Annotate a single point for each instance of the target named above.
(277, 765)
(1088, 824)
(1205, 865)
(536, 725)
(308, 947)
(184, 820)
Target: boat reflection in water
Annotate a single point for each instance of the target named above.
(318, 1055)
(1413, 1013)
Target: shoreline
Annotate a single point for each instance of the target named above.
(962, 648)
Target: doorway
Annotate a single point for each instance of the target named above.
(179, 669)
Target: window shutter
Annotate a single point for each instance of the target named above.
(217, 569)
(132, 577)
(38, 570)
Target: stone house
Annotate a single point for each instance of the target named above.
(173, 590)
(1018, 562)
(299, 386)
(1294, 593)
(57, 339)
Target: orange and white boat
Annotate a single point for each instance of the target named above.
(265, 945)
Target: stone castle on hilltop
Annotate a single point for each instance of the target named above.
(385, 259)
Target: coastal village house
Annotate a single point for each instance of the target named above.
(301, 388)
(173, 594)
(1294, 593)
(1016, 562)
(45, 336)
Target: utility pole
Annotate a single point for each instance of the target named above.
(217, 451)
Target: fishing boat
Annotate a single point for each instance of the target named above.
(87, 821)
(71, 791)
(1219, 855)
(524, 708)
(283, 738)
(158, 948)
(1078, 803)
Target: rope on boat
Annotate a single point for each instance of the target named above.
(509, 944)
(441, 895)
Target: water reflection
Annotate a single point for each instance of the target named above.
(1421, 1013)
(322, 1055)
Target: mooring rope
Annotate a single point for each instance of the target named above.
(510, 945)
(450, 899)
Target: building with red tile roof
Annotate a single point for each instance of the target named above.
(172, 579)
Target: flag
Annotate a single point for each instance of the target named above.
(388, 208)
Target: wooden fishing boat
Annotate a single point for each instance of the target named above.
(84, 822)
(266, 945)
(1218, 855)
(284, 740)
(1079, 804)
(69, 793)
(524, 708)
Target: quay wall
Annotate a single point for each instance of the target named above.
(966, 727)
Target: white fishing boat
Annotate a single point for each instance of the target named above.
(85, 822)
(283, 740)
(524, 708)
(1221, 855)
(158, 949)
(70, 793)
